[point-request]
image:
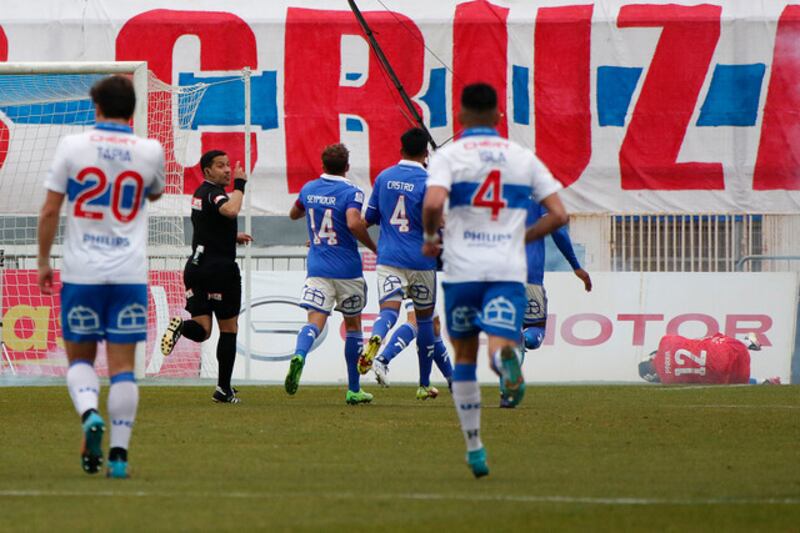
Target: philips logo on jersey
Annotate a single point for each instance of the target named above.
(105, 240)
(486, 237)
(321, 200)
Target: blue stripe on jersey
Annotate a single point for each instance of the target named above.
(473, 132)
(515, 196)
(74, 189)
(113, 126)
(401, 237)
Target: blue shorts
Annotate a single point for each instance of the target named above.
(496, 307)
(115, 313)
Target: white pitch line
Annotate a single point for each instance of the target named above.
(671, 388)
(735, 406)
(422, 496)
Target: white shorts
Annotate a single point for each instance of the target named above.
(397, 284)
(536, 310)
(348, 295)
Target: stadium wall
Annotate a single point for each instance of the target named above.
(589, 86)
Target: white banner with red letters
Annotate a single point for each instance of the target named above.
(591, 337)
(661, 105)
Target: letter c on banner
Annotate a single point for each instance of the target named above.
(712, 326)
(606, 329)
(227, 43)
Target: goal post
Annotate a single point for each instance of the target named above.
(40, 103)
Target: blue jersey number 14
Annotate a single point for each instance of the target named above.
(326, 230)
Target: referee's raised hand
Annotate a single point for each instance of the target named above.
(238, 172)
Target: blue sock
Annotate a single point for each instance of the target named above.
(353, 346)
(386, 321)
(534, 336)
(401, 338)
(441, 359)
(425, 348)
(305, 338)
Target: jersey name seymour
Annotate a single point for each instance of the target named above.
(323, 200)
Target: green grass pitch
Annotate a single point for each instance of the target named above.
(608, 458)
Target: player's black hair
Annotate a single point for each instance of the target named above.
(207, 159)
(115, 97)
(335, 158)
(414, 142)
(479, 97)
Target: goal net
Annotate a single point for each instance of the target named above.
(39, 105)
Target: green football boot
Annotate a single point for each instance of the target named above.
(361, 396)
(293, 376)
(423, 393)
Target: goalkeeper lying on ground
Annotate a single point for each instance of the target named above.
(718, 359)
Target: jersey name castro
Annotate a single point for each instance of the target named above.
(491, 182)
(106, 174)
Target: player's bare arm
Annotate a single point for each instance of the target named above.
(556, 217)
(297, 211)
(48, 225)
(432, 218)
(233, 206)
(358, 227)
(585, 278)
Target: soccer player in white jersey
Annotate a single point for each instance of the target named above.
(489, 182)
(106, 175)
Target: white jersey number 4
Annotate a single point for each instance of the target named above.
(399, 217)
(490, 194)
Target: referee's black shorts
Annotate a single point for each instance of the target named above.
(213, 289)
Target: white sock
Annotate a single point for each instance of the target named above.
(83, 386)
(123, 399)
(467, 398)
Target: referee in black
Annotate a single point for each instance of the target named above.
(212, 279)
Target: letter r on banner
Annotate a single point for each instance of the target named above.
(314, 98)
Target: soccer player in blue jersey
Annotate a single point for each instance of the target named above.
(396, 205)
(535, 320)
(402, 337)
(489, 182)
(331, 205)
